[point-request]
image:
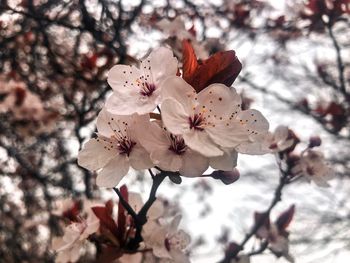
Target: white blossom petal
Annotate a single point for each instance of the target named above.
(201, 142)
(94, 156)
(120, 78)
(162, 63)
(254, 123)
(113, 172)
(166, 159)
(219, 101)
(178, 89)
(125, 104)
(139, 158)
(226, 162)
(174, 117)
(193, 164)
(156, 210)
(151, 136)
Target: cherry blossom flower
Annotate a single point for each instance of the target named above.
(115, 149)
(277, 141)
(275, 233)
(279, 243)
(211, 119)
(68, 247)
(170, 152)
(313, 166)
(137, 90)
(166, 240)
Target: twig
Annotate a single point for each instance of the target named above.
(277, 197)
(340, 63)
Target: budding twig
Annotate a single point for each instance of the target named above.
(284, 179)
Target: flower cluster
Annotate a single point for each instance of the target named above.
(274, 235)
(200, 121)
(115, 229)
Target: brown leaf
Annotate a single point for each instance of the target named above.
(105, 217)
(285, 218)
(222, 67)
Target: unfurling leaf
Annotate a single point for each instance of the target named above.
(222, 67)
(285, 218)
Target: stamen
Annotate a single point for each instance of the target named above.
(178, 145)
(197, 122)
(147, 89)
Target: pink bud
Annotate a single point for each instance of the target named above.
(227, 177)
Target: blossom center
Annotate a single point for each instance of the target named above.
(167, 244)
(178, 145)
(197, 122)
(147, 89)
(125, 146)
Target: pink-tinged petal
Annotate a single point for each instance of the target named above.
(139, 158)
(75, 252)
(94, 156)
(166, 159)
(134, 103)
(193, 164)
(281, 133)
(201, 142)
(156, 210)
(227, 135)
(107, 123)
(57, 243)
(174, 117)
(123, 79)
(113, 172)
(135, 201)
(162, 64)
(131, 258)
(174, 224)
(219, 102)
(254, 123)
(151, 136)
(253, 148)
(178, 89)
(179, 257)
(226, 162)
(136, 123)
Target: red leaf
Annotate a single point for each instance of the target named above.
(189, 60)
(73, 212)
(222, 67)
(106, 220)
(285, 218)
(122, 214)
(109, 207)
(109, 254)
(20, 95)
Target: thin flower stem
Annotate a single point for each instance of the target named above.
(151, 173)
(141, 217)
(340, 62)
(126, 205)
